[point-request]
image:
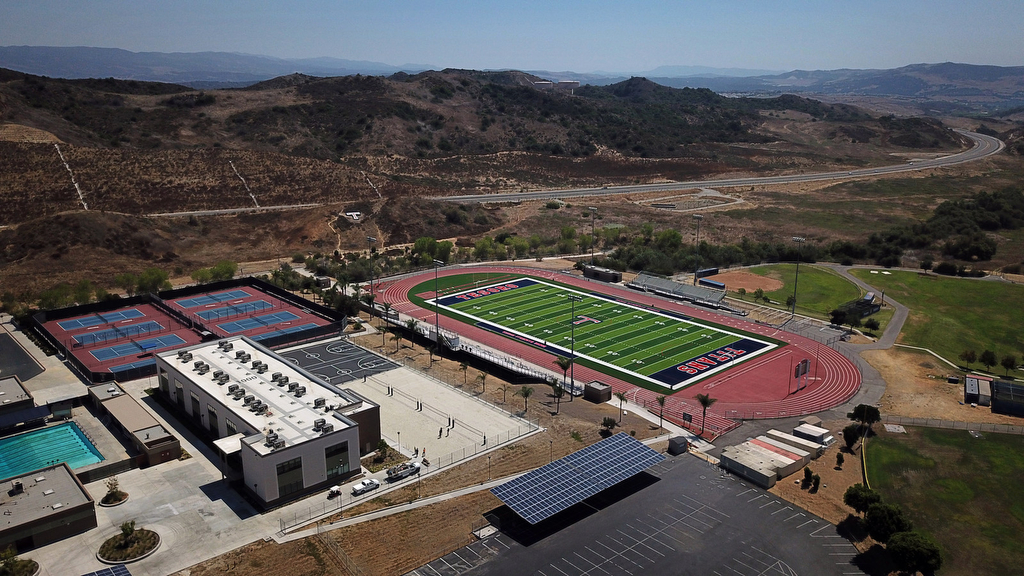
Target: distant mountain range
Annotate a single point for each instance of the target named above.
(946, 87)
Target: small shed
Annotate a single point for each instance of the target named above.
(678, 445)
(598, 392)
(977, 390)
(813, 433)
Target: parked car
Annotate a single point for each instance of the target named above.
(365, 486)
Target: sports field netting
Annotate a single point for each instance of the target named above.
(119, 332)
(657, 346)
(212, 298)
(97, 319)
(133, 365)
(134, 347)
(257, 321)
(283, 331)
(234, 310)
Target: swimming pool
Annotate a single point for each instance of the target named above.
(40, 448)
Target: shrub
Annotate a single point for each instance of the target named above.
(886, 520)
(913, 552)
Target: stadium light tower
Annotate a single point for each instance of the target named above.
(369, 256)
(593, 238)
(437, 317)
(573, 299)
(796, 282)
(696, 267)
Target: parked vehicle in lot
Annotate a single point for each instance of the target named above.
(403, 470)
(365, 486)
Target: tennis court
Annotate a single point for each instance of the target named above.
(282, 331)
(656, 346)
(234, 310)
(214, 298)
(97, 319)
(116, 333)
(133, 347)
(257, 321)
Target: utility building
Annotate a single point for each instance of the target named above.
(287, 432)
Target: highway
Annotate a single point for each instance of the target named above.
(983, 146)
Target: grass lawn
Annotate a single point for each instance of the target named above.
(950, 315)
(963, 491)
(819, 291)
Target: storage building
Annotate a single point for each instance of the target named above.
(44, 506)
(814, 434)
(815, 449)
(977, 390)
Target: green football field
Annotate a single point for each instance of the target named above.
(659, 347)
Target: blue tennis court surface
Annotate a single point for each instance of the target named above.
(212, 298)
(129, 348)
(234, 310)
(257, 321)
(283, 331)
(119, 332)
(139, 364)
(97, 319)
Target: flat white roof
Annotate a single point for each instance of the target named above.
(291, 416)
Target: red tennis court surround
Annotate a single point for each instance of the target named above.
(761, 388)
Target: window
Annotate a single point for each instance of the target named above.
(289, 477)
(337, 460)
(230, 426)
(196, 412)
(211, 416)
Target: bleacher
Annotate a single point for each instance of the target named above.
(665, 287)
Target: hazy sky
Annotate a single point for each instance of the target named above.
(582, 36)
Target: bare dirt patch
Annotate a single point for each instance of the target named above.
(747, 280)
(916, 387)
(306, 557)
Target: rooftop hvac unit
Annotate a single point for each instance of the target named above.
(292, 386)
(17, 487)
(244, 358)
(225, 345)
(300, 391)
(181, 353)
(204, 369)
(282, 380)
(238, 393)
(255, 406)
(271, 437)
(187, 357)
(275, 376)
(327, 429)
(319, 423)
(262, 409)
(197, 364)
(232, 387)
(278, 444)
(248, 399)
(319, 403)
(218, 373)
(239, 353)
(257, 363)
(261, 369)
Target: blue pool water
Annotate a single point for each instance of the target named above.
(40, 448)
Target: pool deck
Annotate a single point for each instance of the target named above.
(56, 383)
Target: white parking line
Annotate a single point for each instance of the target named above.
(781, 510)
(793, 516)
(593, 563)
(808, 522)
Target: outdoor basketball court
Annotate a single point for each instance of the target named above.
(339, 361)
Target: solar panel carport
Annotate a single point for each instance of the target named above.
(546, 491)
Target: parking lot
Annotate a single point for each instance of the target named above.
(681, 517)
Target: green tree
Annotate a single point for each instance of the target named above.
(411, 325)
(839, 460)
(526, 392)
(622, 398)
(153, 280)
(464, 366)
(504, 392)
(608, 423)
(872, 324)
(661, 412)
(837, 317)
(742, 292)
(790, 301)
(988, 358)
(563, 362)
(127, 532)
(705, 403)
(883, 521)
(860, 498)
(1009, 362)
(396, 337)
(865, 414)
(202, 276)
(482, 377)
(927, 263)
(851, 433)
(758, 294)
(82, 293)
(913, 552)
(128, 282)
(969, 357)
(224, 270)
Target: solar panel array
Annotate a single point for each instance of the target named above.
(550, 489)
(117, 570)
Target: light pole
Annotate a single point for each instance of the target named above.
(593, 238)
(573, 299)
(696, 267)
(369, 256)
(796, 282)
(437, 317)
(399, 441)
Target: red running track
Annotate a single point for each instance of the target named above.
(760, 388)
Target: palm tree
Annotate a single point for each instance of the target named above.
(661, 415)
(622, 398)
(504, 392)
(705, 402)
(526, 392)
(464, 366)
(563, 362)
(396, 337)
(482, 377)
(411, 325)
(557, 391)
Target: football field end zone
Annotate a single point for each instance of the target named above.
(683, 373)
